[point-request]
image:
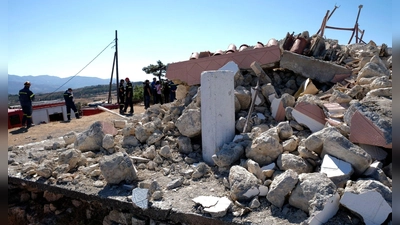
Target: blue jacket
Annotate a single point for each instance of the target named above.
(26, 96)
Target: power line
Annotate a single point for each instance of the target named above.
(81, 69)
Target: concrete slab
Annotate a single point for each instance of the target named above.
(370, 205)
(217, 111)
(330, 209)
(315, 69)
(334, 167)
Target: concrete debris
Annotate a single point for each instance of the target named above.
(319, 125)
(215, 206)
(376, 212)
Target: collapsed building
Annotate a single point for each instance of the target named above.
(304, 137)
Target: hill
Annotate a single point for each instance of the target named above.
(83, 94)
(48, 84)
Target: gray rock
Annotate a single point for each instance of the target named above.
(340, 97)
(311, 188)
(92, 139)
(70, 137)
(130, 141)
(175, 183)
(189, 123)
(200, 170)
(264, 149)
(242, 184)
(165, 151)
(70, 157)
(184, 144)
(295, 163)
(281, 187)
(244, 97)
(228, 154)
(108, 141)
(284, 130)
(117, 167)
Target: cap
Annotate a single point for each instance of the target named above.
(127, 79)
(27, 83)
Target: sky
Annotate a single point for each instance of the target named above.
(60, 38)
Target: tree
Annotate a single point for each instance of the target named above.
(157, 70)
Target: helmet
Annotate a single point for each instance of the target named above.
(27, 83)
(127, 79)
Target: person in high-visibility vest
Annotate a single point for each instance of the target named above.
(26, 97)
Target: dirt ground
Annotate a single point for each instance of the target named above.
(41, 132)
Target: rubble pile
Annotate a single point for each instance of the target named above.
(310, 145)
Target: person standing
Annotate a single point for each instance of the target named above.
(146, 94)
(128, 96)
(172, 87)
(159, 91)
(121, 95)
(154, 91)
(26, 97)
(69, 102)
(166, 91)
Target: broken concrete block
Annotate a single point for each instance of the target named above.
(318, 70)
(370, 122)
(370, 205)
(335, 144)
(320, 216)
(337, 170)
(140, 197)
(216, 206)
(309, 115)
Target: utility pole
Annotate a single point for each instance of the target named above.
(115, 63)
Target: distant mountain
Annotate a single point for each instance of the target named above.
(48, 84)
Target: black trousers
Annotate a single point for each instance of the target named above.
(27, 115)
(69, 107)
(128, 103)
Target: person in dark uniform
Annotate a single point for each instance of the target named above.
(69, 102)
(128, 96)
(172, 88)
(147, 92)
(26, 97)
(121, 95)
(166, 90)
